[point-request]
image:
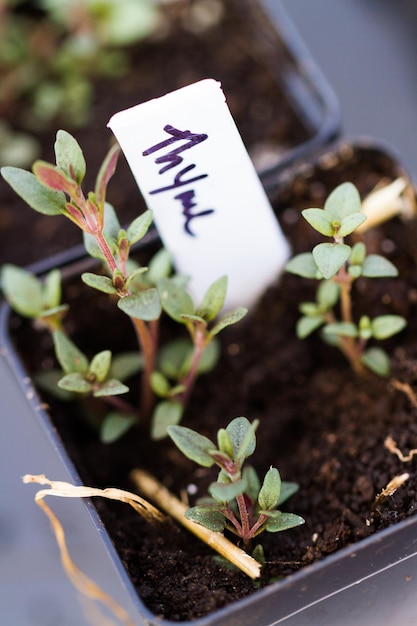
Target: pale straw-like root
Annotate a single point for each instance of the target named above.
(391, 445)
(388, 200)
(81, 582)
(152, 489)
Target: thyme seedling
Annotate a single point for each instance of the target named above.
(142, 293)
(238, 501)
(337, 265)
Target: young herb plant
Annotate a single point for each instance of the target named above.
(51, 53)
(142, 293)
(337, 265)
(238, 502)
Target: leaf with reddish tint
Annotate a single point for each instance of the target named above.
(53, 178)
(107, 170)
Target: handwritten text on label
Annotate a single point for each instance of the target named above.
(173, 159)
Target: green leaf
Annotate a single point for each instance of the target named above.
(224, 442)
(253, 484)
(328, 293)
(242, 436)
(70, 358)
(175, 300)
(166, 415)
(355, 271)
(125, 365)
(193, 445)
(101, 283)
(211, 519)
(145, 305)
(270, 491)
(307, 325)
(213, 300)
(319, 220)
(75, 382)
(365, 328)
(350, 223)
(139, 227)
(36, 195)
(22, 290)
(209, 358)
(159, 384)
(111, 388)
(56, 312)
(69, 156)
(358, 253)
(385, 326)
(303, 265)
(376, 360)
(194, 319)
(228, 319)
(48, 380)
(115, 425)
(343, 201)
(283, 521)
(173, 357)
(226, 492)
(134, 284)
(160, 266)
(330, 257)
(310, 309)
(100, 365)
(287, 490)
(51, 291)
(345, 329)
(376, 266)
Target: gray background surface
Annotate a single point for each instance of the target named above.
(367, 50)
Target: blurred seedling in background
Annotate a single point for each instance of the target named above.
(51, 53)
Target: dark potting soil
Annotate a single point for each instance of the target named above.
(240, 49)
(320, 424)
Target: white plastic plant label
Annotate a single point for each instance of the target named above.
(209, 205)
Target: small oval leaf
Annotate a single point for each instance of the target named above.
(195, 446)
(330, 257)
(145, 305)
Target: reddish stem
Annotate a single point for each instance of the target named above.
(148, 350)
(104, 247)
(200, 344)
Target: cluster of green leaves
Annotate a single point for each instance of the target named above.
(49, 58)
(238, 501)
(181, 361)
(337, 265)
(142, 293)
(33, 298)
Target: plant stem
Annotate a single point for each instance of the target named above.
(350, 347)
(120, 404)
(104, 247)
(148, 350)
(244, 518)
(152, 489)
(188, 382)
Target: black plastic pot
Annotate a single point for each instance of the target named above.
(368, 583)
